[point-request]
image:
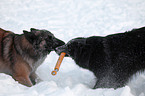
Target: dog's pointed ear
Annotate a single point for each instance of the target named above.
(24, 31)
(33, 29)
(29, 36)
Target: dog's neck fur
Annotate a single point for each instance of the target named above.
(28, 52)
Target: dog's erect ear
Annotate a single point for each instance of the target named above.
(29, 36)
(33, 29)
(25, 32)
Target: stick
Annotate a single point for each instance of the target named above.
(56, 69)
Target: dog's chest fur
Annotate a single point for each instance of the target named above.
(33, 59)
(35, 64)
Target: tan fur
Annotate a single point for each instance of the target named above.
(23, 65)
(20, 55)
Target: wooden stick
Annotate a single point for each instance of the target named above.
(56, 69)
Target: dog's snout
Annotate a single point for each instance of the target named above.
(60, 49)
(57, 48)
(57, 43)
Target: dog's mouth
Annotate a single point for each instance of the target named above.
(57, 43)
(61, 49)
(51, 46)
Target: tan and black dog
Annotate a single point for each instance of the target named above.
(20, 55)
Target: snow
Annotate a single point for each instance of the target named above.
(68, 19)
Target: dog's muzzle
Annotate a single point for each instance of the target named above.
(61, 49)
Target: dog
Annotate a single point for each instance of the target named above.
(20, 55)
(113, 59)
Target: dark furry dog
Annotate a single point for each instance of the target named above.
(113, 59)
(20, 55)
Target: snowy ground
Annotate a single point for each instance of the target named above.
(68, 19)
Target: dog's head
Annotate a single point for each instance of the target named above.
(42, 40)
(72, 48)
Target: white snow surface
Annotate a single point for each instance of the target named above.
(68, 19)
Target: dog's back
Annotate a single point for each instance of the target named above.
(3, 34)
(126, 55)
(3, 66)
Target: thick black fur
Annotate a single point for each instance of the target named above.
(113, 59)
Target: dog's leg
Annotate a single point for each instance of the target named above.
(96, 85)
(25, 80)
(21, 73)
(100, 84)
(106, 83)
(35, 78)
